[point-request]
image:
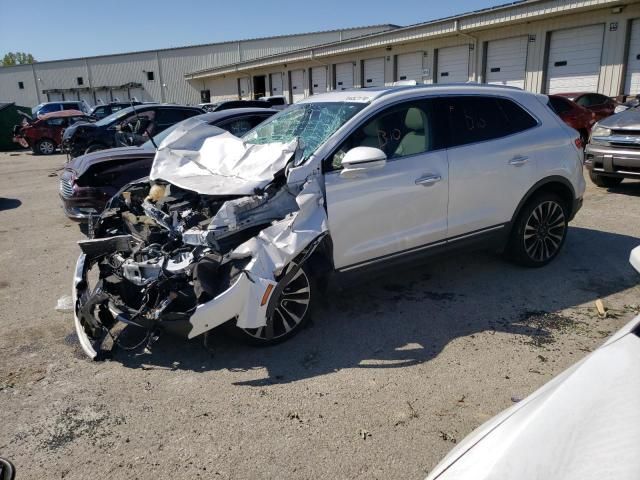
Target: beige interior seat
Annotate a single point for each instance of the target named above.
(416, 139)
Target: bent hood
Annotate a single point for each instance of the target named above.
(626, 120)
(222, 164)
(584, 424)
(82, 163)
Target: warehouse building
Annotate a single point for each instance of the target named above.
(545, 46)
(156, 75)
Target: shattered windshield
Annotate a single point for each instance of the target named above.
(311, 123)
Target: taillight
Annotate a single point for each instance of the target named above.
(579, 143)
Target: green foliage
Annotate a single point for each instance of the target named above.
(17, 58)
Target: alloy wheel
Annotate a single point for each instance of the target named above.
(544, 231)
(293, 306)
(46, 147)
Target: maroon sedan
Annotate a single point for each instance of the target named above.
(574, 115)
(599, 104)
(44, 134)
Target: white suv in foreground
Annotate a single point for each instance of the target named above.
(238, 232)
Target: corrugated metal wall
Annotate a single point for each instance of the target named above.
(169, 67)
(586, 12)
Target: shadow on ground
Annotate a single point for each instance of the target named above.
(627, 187)
(408, 318)
(9, 203)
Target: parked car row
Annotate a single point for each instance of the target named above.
(89, 181)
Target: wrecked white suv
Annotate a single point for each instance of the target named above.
(244, 232)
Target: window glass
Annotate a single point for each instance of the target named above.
(398, 131)
(169, 116)
(311, 123)
(238, 127)
(56, 122)
(559, 105)
(70, 106)
(477, 119)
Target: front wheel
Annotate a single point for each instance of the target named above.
(293, 309)
(605, 182)
(44, 146)
(540, 231)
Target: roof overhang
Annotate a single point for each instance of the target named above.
(509, 14)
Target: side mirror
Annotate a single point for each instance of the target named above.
(634, 259)
(362, 159)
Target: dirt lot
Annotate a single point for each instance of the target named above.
(382, 385)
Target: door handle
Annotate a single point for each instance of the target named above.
(428, 180)
(518, 160)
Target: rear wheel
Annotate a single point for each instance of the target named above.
(605, 182)
(44, 146)
(293, 309)
(539, 231)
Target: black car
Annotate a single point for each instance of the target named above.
(100, 111)
(130, 126)
(88, 181)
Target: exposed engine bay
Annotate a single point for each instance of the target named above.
(168, 258)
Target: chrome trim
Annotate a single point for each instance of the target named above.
(419, 249)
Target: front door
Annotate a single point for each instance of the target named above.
(399, 208)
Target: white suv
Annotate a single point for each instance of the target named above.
(240, 231)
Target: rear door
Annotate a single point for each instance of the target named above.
(492, 160)
(399, 208)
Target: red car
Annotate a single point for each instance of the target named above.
(599, 104)
(574, 115)
(44, 134)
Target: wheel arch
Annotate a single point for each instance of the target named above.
(557, 184)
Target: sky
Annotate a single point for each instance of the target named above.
(52, 30)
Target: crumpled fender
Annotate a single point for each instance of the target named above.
(270, 251)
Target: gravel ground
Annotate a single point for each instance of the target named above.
(386, 380)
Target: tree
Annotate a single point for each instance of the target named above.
(17, 58)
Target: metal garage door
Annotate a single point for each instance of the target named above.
(507, 61)
(373, 71)
(54, 97)
(102, 96)
(137, 93)
(344, 76)
(87, 97)
(275, 80)
(574, 59)
(120, 95)
(409, 66)
(297, 85)
(244, 88)
(632, 83)
(318, 80)
(453, 64)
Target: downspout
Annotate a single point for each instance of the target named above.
(475, 47)
(35, 81)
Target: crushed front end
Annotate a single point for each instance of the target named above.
(165, 259)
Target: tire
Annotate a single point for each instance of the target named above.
(605, 182)
(44, 146)
(539, 231)
(290, 316)
(96, 147)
